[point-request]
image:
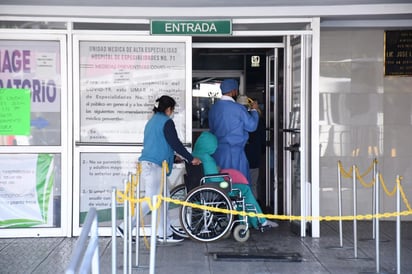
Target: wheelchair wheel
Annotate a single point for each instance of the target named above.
(177, 193)
(241, 233)
(206, 225)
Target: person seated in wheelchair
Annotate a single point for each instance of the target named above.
(204, 147)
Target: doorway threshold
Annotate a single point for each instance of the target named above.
(278, 256)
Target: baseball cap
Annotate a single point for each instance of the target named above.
(228, 85)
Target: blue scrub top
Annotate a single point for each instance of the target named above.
(231, 123)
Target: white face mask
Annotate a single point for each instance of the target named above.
(172, 115)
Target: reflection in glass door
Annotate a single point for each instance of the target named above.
(296, 133)
(274, 138)
(34, 179)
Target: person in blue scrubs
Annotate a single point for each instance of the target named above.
(231, 123)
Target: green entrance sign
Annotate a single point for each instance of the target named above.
(208, 27)
(14, 111)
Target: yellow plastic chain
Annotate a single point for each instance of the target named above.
(129, 196)
(345, 174)
(385, 188)
(294, 218)
(348, 174)
(360, 178)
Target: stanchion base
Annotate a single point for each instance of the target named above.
(140, 267)
(339, 247)
(358, 258)
(374, 272)
(371, 239)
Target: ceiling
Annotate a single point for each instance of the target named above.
(198, 3)
(332, 13)
(331, 9)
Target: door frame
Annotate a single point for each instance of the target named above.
(128, 150)
(310, 197)
(63, 149)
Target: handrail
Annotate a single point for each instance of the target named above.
(86, 255)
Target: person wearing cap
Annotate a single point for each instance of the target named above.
(231, 123)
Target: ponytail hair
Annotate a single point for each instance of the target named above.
(163, 103)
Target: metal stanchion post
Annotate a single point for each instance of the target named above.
(377, 224)
(137, 206)
(137, 227)
(114, 221)
(153, 237)
(375, 169)
(129, 226)
(398, 225)
(340, 206)
(125, 222)
(164, 201)
(94, 234)
(355, 224)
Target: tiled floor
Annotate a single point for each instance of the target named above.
(275, 251)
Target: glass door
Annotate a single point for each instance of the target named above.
(34, 153)
(118, 78)
(274, 138)
(205, 92)
(296, 133)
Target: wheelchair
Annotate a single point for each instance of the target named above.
(207, 225)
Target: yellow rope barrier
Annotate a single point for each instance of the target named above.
(360, 178)
(385, 188)
(347, 174)
(290, 218)
(405, 200)
(370, 168)
(128, 195)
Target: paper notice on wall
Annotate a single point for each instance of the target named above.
(26, 186)
(120, 82)
(14, 111)
(100, 172)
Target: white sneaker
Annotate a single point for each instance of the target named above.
(267, 225)
(271, 224)
(174, 238)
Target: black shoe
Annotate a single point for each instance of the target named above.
(120, 231)
(174, 238)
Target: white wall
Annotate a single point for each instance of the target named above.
(363, 115)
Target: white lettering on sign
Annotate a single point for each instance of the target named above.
(190, 27)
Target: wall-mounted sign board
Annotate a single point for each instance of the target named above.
(398, 53)
(205, 27)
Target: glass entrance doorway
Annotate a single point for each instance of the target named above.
(263, 74)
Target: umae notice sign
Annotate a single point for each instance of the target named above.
(398, 53)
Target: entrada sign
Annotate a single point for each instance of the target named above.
(209, 27)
